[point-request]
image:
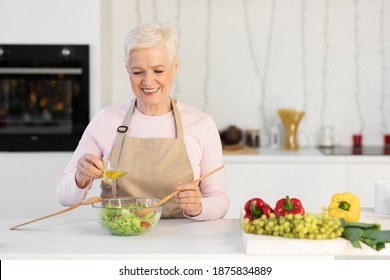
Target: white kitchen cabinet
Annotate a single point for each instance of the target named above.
(307, 174)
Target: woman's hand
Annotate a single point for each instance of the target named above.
(88, 167)
(189, 198)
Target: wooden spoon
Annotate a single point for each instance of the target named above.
(146, 211)
(86, 201)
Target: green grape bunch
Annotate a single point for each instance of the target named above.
(308, 226)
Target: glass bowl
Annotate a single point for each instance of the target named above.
(119, 215)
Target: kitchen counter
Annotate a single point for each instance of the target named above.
(77, 238)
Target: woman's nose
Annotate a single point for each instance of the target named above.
(148, 79)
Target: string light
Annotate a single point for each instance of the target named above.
(266, 66)
(303, 54)
(384, 121)
(305, 130)
(262, 78)
(177, 19)
(325, 62)
(357, 64)
(207, 57)
(253, 57)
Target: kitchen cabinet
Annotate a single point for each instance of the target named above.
(306, 174)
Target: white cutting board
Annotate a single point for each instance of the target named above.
(280, 246)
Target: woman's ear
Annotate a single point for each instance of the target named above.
(176, 65)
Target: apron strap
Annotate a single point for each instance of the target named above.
(121, 133)
(123, 128)
(178, 121)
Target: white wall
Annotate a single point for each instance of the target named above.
(241, 60)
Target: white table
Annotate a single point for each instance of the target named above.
(77, 238)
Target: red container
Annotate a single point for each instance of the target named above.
(357, 150)
(357, 140)
(386, 139)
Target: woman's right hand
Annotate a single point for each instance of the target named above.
(88, 167)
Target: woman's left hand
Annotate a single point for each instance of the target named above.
(189, 198)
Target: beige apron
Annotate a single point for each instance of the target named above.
(155, 165)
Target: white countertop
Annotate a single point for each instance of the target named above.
(62, 238)
(76, 238)
(303, 155)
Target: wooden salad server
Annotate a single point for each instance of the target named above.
(146, 211)
(86, 201)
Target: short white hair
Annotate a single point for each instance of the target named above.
(152, 35)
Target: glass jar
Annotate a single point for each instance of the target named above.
(253, 138)
(327, 137)
(290, 119)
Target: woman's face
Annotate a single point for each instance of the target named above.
(151, 75)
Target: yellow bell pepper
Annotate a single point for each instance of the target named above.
(345, 205)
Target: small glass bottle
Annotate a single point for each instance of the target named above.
(253, 138)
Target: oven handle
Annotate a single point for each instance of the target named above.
(40, 71)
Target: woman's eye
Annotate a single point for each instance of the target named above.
(137, 72)
(158, 71)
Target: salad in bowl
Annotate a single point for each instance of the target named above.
(119, 215)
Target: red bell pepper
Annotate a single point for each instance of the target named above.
(255, 208)
(286, 206)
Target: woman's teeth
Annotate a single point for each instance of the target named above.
(150, 90)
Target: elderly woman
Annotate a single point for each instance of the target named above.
(164, 144)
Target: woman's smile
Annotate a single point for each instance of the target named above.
(150, 91)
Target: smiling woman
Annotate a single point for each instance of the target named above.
(151, 62)
(163, 143)
(151, 74)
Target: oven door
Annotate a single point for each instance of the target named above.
(42, 107)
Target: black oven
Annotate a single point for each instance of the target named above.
(44, 96)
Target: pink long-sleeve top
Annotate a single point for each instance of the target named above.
(202, 141)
